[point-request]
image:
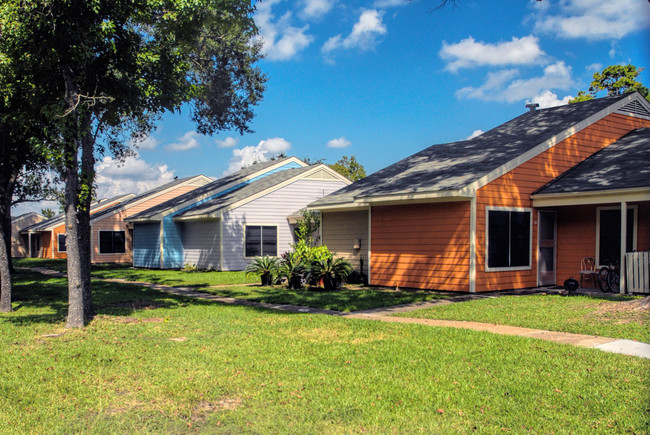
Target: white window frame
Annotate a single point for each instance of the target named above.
(277, 237)
(634, 229)
(488, 209)
(58, 243)
(99, 245)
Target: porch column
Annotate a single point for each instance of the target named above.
(472, 244)
(623, 246)
(29, 242)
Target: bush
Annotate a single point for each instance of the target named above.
(266, 267)
(332, 271)
(293, 267)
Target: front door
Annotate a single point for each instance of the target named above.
(36, 245)
(546, 250)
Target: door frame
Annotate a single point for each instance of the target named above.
(539, 246)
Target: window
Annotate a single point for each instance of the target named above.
(508, 239)
(609, 234)
(261, 240)
(61, 242)
(112, 242)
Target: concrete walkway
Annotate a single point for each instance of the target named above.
(621, 346)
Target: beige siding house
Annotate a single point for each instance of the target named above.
(20, 242)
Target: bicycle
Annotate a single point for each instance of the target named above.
(609, 276)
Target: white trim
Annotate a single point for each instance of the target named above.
(277, 238)
(613, 196)
(221, 243)
(488, 209)
(162, 245)
(634, 230)
(58, 243)
(52, 241)
(158, 217)
(472, 244)
(623, 245)
(258, 195)
(99, 244)
(194, 179)
(369, 244)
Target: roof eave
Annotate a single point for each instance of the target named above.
(613, 196)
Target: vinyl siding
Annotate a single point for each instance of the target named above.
(201, 244)
(115, 222)
(340, 230)
(514, 188)
(19, 242)
(270, 209)
(421, 246)
(146, 245)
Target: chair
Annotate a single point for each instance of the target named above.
(588, 270)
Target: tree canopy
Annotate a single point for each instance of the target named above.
(349, 167)
(614, 80)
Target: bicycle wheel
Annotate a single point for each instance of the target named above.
(613, 281)
(602, 279)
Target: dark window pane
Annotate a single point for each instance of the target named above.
(629, 246)
(519, 239)
(119, 242)
(253, 241)
(498, 239)
(610, 234)
(62, 243)
(105, 242)
(269, 241)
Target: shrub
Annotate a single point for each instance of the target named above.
(266, 267)
(333, 272)
(293, 267)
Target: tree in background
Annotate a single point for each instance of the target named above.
(112, 68)
(48, 213)
(616, 80)
(350, 168)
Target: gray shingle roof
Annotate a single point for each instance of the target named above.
(141, 196)
(214, 206)
(624, 164)
(207, 190)
(60, 219)
(452, 166)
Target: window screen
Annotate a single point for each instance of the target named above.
(508, 238)
(261, 240)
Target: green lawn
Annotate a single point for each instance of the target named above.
(605, 315)
(152, 362)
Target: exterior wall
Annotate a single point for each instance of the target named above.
(514, 188)
(19, 242)
(50, 245)
(576, 235)
(115, 222)
(421, 246)
(201, 244)
(146, 245)
(339, 232)
(271, 209)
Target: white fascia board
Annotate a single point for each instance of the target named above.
(158, 217)
(264, 192)
(343, 206)
(550, 143)
(148, 197)
(590, 198)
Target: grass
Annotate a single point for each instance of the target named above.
(152, 362)
(605, 315)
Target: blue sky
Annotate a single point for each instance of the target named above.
(383, 79)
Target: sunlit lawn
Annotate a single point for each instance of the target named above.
(604, 315)
(151, 362)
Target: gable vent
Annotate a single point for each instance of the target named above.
(635, 108)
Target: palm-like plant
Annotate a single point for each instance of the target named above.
(293, 268)
(333, 271)
(266, 267)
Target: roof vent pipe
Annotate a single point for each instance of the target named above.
(532, 106)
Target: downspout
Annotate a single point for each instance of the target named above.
(29, 242)
(472, 244)
(621, 270)
(221, 242)
(162, 251)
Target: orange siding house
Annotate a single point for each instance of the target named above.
(516, 207)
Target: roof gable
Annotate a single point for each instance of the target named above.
(460, 168)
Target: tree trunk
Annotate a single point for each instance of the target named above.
(6, 192)
(83, 212)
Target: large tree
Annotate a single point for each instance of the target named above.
(614, 80)
(350, 168)
(117, 66)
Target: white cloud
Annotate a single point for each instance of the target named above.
(317, 8)
(280, 40)
(340, 142)
(502, 86)
(146, 143)
(594, 67)
(475, 133)
(186, 142)
(390, 3)
(364, 35)
(134, 175)
(470, 53)
(593, 19)
(549, 99)
(228, 142)
(261, 153)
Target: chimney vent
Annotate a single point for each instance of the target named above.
(532, 106)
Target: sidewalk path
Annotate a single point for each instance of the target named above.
(626, 347)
